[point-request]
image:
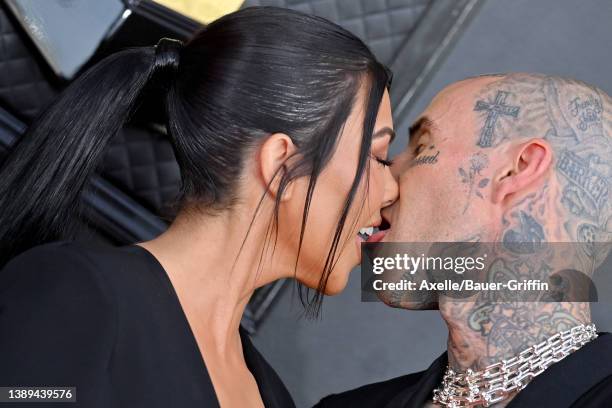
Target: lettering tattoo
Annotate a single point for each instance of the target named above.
(588, 190)
(588, 111)
(426, 158)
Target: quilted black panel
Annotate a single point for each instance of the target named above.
(382, 24)
(141, 162)
(24, 81)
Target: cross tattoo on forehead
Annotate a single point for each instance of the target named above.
(495, 109)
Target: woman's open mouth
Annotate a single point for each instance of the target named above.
(374, 233)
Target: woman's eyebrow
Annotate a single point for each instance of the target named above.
(383, 132)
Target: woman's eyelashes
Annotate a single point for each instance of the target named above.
(384, 162)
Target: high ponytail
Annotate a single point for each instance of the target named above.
(42, 179)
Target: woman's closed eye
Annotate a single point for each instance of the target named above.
(384, 162)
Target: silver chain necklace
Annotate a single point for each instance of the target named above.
(498, 381)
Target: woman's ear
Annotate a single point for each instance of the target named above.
(527, 163)
(274, 153)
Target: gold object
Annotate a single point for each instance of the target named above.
(204, 11)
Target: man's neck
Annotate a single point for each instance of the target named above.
(483, 334)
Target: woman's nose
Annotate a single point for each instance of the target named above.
(391, 188)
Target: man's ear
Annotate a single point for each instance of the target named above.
(274, 153)
(530, 161)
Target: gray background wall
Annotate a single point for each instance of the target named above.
(356, 343)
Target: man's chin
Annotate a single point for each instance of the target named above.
(391, 237)
(392, 299)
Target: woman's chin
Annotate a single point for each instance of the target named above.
(337, 281)
(335, 284)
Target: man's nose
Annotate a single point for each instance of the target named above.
(395, 168)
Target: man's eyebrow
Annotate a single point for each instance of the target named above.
(383, 132)
(418, 127)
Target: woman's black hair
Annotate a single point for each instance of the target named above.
(249, 74)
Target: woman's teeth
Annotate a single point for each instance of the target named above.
(366, 232)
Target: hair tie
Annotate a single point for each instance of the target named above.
(167, 54)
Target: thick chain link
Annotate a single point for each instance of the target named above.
(500, 380)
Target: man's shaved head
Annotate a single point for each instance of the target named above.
(519, 160)
(509, 158)
(493, 124)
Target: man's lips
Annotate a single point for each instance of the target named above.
(384, 225)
